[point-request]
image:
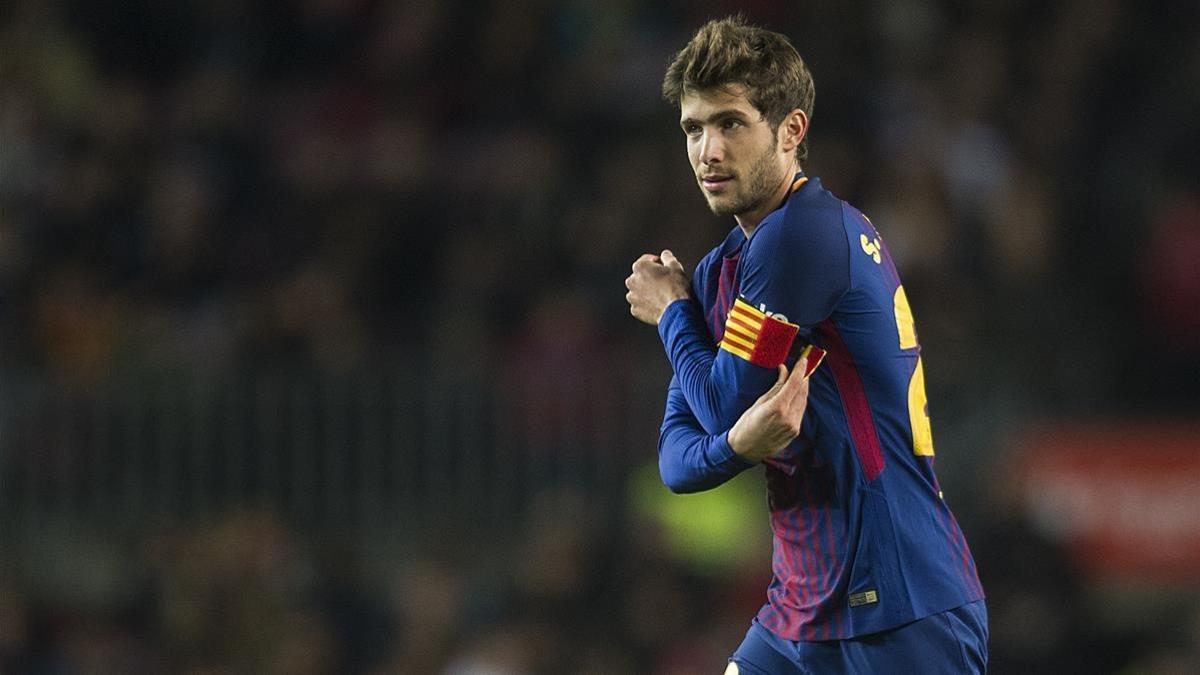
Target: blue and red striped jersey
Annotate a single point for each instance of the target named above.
(863, 539)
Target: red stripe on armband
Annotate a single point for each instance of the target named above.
(815, 356)
(774, 342)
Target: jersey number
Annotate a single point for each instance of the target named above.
(918, 404)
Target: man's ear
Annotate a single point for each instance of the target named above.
(792, 130)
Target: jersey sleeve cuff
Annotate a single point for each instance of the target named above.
(722, 454)
(671, 314)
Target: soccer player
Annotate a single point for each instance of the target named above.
(871, 573)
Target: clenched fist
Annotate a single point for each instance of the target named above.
(656, 282)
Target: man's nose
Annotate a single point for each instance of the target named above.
(711, 149)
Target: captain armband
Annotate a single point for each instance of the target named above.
(752, 335)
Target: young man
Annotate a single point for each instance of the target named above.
(871, 571)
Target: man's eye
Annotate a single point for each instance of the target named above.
(691, 129)
(732, 124)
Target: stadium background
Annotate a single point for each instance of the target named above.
(314, 355)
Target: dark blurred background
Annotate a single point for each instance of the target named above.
(314, 355)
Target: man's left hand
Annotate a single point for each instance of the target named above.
(656, 282)
(767, 427)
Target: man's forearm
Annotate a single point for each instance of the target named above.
(689, 458)
(694, 359)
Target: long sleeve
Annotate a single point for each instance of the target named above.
(717, 388)
(689, 458)
(795, 266)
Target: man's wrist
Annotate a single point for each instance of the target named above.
(734, 455)
(667, 308)
(734, 439)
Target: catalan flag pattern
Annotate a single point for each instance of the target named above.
(760, 339)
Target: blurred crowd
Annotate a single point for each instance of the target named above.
(217, 183)
(326, 184)
(244, 595)
(247, 594)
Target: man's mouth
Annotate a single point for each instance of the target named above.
(715, 181)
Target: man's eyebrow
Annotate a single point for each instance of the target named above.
(720, 114)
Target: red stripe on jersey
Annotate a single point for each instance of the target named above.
(794, 596)
(806, 558)
(818, 569)
(835, 574)
(854, 402)
(726, 285)
(803, 599)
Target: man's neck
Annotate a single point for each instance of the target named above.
(750, 220)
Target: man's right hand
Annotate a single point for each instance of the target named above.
(767, 427)
(656, 282)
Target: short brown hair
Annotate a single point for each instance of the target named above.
(728, 52)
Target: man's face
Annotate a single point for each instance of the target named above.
(732, 148)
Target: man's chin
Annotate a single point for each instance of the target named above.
(723, 207)
(718, 204)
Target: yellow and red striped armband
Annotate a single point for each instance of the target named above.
(760, 339)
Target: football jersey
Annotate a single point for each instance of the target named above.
(863, 539)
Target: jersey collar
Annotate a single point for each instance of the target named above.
(797, 180)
